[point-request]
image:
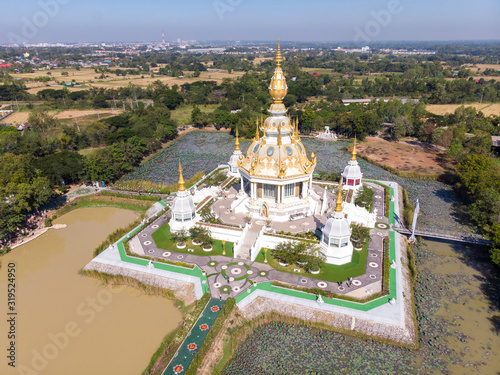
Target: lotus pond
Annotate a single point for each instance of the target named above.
(457, 299)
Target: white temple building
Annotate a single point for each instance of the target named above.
(336, 236)
(183, 209)
(352, 176)
(276, 174)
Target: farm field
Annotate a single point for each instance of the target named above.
(481, 67)
(16, 118)
(183, 114)
(84, 113)
(487, 78)
(83, 116)
(402, 156)
(90, 78)
(487, 108)
(259, 60)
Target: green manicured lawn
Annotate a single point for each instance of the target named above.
(164, 241)
(329, 272)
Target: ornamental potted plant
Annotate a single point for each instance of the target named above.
(180, 237)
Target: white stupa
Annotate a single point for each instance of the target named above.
(352, 176)
(183, 209)
(336, 238)
(233, 160)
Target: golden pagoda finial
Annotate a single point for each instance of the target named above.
(277, 87)
(354, 150)
(257, 137)
(237, 142)
(279, 57)
(338, 208)
(181, 179)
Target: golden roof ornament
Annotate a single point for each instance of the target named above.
(296, 133)
(354, 150)
(279, 57)
(181, 179)
(338, 208)
(277, 87)
(237, 142)
(257, 137)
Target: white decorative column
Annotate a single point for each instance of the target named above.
(304, 189)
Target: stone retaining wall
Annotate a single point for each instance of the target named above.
(183, 291)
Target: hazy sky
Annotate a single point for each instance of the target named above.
(35, 21)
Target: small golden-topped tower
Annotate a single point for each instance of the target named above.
(352, 176)
(183, 209)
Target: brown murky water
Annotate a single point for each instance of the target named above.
(469, 305)
(72, 324)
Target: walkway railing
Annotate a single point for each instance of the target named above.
(447, 235)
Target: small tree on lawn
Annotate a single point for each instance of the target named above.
(201, 235)
(286, 252)
(359, 234)
(299, 251)
(180, 236)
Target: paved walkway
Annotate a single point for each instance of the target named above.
(232, 276)
(188, 349)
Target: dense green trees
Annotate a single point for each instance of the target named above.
(479, 183)
(22, 190)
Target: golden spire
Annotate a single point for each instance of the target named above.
(354, 150)
(279, 57)
(257, 138)
(237, 142)
(338, 208)
(278, 87)
(181, 179)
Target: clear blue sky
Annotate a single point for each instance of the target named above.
(311, 20)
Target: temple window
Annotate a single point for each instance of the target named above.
(269, 191)
(289, 190)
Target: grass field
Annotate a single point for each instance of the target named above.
(487, 108)
(328, 272)
(164, 241)
(183, 114)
